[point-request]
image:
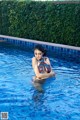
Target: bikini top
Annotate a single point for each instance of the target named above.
(43, 66)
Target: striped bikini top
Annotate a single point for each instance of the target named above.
(43, 66)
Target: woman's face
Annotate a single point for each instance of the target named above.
(38, 54)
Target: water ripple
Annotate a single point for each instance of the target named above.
(61, 99)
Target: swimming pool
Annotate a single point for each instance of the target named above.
(61, 99)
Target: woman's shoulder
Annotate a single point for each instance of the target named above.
(46, 58)
(33, 59)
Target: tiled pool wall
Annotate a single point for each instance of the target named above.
(56, 50)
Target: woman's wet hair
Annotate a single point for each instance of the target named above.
(40, 48)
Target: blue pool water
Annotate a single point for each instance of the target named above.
(61, 99)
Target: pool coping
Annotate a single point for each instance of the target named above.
(66, 52)
(41, 42)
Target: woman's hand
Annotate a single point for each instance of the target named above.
(52, 74)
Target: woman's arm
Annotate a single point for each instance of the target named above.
(40, 75)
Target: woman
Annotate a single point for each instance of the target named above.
(41, 65)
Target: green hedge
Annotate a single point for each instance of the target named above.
(44, 21)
